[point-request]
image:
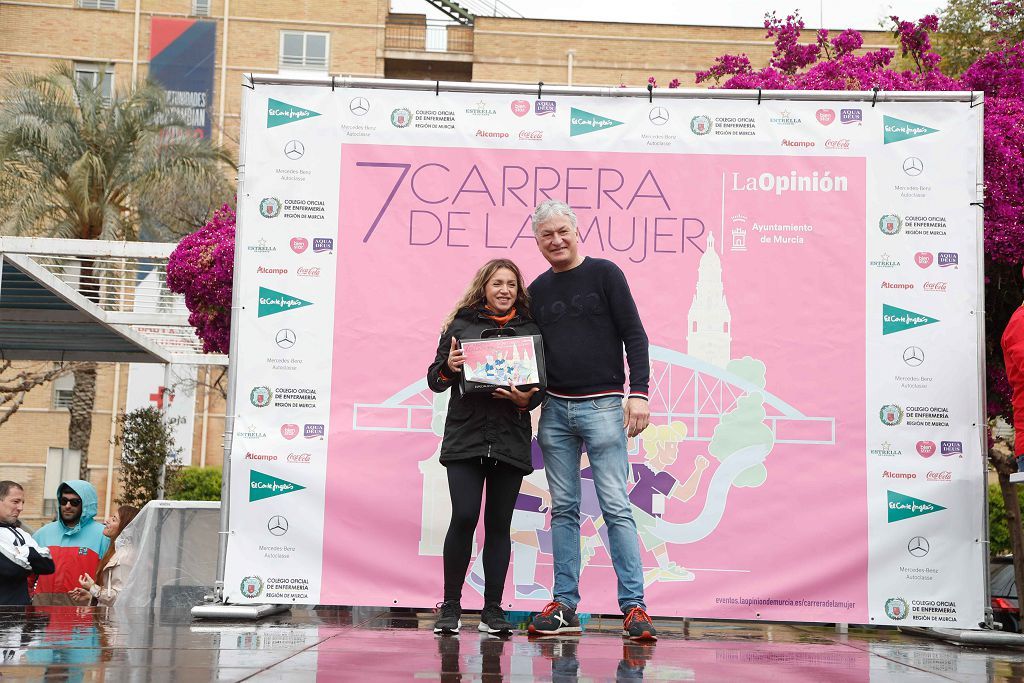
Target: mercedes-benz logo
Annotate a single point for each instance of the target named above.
(277, 525)
(285, 338)
(359, 106)
(913, 356)
(913, 166)
(658, 116)
(918, 546)
(293, 149)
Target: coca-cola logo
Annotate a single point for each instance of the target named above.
(531, 135)
(308, 271)
(934, 287)
(837, 144)
(940, 476)
(298, 457)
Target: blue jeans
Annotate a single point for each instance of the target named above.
(565, 426)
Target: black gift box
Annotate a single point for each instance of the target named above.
(493, 361)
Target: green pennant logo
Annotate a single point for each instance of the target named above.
(280, 113)
(898, 129)
(905, 507)
(272, 302)
(265, 486)
(582, 122)
(897, 319)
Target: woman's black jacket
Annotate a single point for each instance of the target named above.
(479, 425)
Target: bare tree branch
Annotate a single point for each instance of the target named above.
(16, 382)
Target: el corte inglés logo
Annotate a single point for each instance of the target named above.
(280, 113)
(272, 302)
(897, 130)
(266, 486)
(582, 122)
(904, 507)
(895, 319)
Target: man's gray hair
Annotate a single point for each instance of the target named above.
(549, 209)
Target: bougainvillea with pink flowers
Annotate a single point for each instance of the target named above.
(832, 63)
(202, 268)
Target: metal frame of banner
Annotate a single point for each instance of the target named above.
(215, 606)
(874, 96)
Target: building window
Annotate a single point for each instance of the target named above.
(61, 464)
(97, 4)
(63, 389)
(304, 50)
(201, 8)
(96, 76)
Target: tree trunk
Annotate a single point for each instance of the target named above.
(80, 427)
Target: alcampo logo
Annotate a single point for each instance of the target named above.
(265, 486)
(896, 319)
(280, 113)
(582, 122)
(897, 130)
(905, 507)
(272, 302)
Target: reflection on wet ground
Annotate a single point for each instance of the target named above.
(377, 644)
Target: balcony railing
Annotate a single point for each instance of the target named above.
(427, 35)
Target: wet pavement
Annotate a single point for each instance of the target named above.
(375, 644)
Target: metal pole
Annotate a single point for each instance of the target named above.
(229, 410)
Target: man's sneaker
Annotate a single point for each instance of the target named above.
(555, 618)
(450, 620)
(492, 620)
(638, 626)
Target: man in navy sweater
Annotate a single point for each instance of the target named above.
(587, 316)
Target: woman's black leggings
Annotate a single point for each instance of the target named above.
(466, 480)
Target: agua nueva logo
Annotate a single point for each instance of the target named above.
(896, 319)
(905, 507)
(280, 113)
(896, 130)
(272, 302)
(263, 485)
(582, 122)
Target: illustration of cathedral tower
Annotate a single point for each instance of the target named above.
(709, 336)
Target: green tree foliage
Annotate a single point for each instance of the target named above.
(969, 29)
(195, 483)
(77, 165)
(147, 455)
(998, 531)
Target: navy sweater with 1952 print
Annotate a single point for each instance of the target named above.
(587, 315)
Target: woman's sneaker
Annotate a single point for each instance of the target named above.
(492, 620)
(450, 620)
(638, 626)
(555, 618)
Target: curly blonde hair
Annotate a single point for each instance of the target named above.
(475, 294)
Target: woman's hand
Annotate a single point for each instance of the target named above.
(80, 596)
(456, 357)
(86, 582)
(520, 398)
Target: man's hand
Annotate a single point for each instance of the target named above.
(520, 398)
(456, 357)
(638, 416)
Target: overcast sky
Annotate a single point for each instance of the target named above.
(834, 14)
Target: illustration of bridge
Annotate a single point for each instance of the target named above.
(682, 389)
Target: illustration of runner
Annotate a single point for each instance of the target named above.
(654, 485)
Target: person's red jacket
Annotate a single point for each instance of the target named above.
(1013, 356)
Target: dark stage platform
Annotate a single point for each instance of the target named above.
(377, 644)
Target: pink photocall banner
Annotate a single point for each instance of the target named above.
(748, 272)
